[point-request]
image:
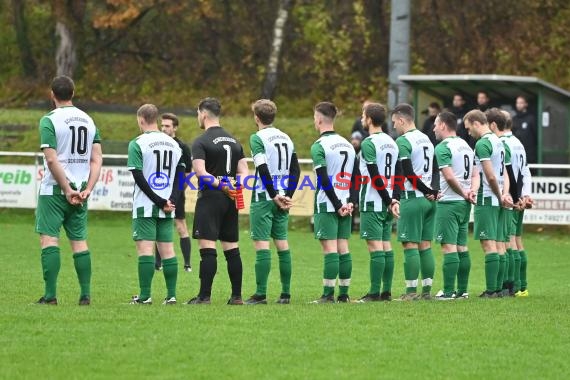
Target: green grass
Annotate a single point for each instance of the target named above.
(123, 127)
(502, 339)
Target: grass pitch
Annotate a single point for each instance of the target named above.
(502, 338)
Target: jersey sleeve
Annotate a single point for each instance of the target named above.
(97, 137)
(47, 134)
(507, 153)
(134, 160)
(483, 150)
(257, 150)
(198, 152)
(443, 155)
(368, 151)
(404, 148)
(318, 156)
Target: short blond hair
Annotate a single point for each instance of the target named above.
(265, 110)
(149, 113)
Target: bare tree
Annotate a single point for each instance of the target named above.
(271, 74)
(69, 30)
(21, 27)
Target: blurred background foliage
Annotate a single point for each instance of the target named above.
(175, 52)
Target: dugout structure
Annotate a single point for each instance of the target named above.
(550, 104)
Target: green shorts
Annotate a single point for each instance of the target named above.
(486, 222)
(153, 229)
(452, 222)
(266, 220)
(518, 217)
(331, 226)
(417, 220)
(505, 225)
(376, 225)
(53, 211)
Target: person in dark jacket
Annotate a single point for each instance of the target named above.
(459, 110)
(524, 128)
(433, 110)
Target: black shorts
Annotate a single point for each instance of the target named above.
(215, 217)
(180, 210)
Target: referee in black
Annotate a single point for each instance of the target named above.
(218, 160)
(169, 125)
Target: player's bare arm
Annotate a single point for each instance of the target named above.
(491, 178)
(58, 173)
(94, 170)
(447, 173)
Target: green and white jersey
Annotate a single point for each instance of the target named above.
(418, 148)
(518, 161)
(272, 147)
(72, 133)
(156, 154)
(490, 148)
(455, 153)
(380, 149)
(336, 154)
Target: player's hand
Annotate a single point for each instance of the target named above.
(350, 208)
(74, 197)
(395, 208)
(169, 206)
(472, 197)
(528, 201)
(85, 194)
(231, 193)
(281, 202)
(288, 202)
(507, 201)
(344, 211)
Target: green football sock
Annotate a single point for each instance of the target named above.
(517, 270)
(51, 262)
(506, 272)
(511, 271)
(170, 270)
(330, 273)
(377, 265)
(285, 270)
(262, 268)
(450, 269)
(524, 262)
(427, 265)
(146, 272)
(501, 272)
(491, 271)
(411, 269)
(463, 272)
(82, 263)
(344, 273)
(388, 272)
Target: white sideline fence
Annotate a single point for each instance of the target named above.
(19, 187)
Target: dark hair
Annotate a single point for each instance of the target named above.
(449, 119)
(377, 113)
(524, 97)
(435, 105)
(475, 115)
(495, 115)
(483, 92)
(265, 110)
(170, 116)
(327, 109)
(459, 94)
(148, 112)
(62, 87)
(211, 105)
(405, 110)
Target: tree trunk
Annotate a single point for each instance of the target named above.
(271, 75)
(69, 17)
(399, 56)
(65, 55)
(21, 27)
